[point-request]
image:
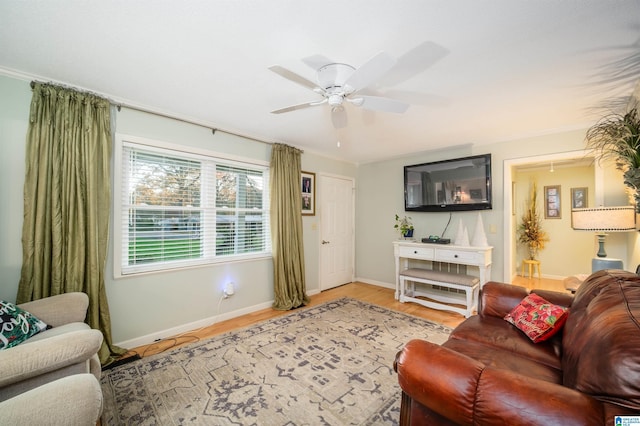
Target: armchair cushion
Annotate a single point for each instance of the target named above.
(17, 325)
(537, 318)
(32, 364)
(70, 401)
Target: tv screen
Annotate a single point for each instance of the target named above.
(449, 185)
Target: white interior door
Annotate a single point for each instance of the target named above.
(336, 230)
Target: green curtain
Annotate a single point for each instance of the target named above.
(286, 228)
(67, 199)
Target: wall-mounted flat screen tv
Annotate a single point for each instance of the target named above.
(450, 185)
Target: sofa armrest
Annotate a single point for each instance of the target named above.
(59, 310)
(466, 392)
(29, 360)
(498, 299)
(73, 400)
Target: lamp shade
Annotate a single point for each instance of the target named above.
(604, 219)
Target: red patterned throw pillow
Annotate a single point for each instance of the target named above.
(537, 318)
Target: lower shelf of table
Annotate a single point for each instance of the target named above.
(441, 299)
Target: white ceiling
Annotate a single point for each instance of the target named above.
(514, 68)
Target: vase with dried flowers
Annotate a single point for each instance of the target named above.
(530, 230)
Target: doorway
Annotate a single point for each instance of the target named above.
(511, 168)
(336, 202)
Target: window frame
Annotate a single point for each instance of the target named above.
(210, 257)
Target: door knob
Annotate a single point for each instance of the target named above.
(325, 242)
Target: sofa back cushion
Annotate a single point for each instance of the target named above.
(601, 340)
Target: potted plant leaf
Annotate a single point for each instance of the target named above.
(404, 225)
(617, 137)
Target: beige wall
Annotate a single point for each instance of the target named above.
(568, 251)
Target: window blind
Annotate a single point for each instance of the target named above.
(182, 209)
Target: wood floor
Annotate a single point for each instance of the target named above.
(366, 292)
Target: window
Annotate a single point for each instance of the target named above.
(181, 209)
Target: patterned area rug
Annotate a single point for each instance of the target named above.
(331, 364)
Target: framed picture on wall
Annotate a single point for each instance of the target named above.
(308, 182)
(552, 202)
(579, 198)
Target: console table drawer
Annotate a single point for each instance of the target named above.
(416, 252)
(456, 256)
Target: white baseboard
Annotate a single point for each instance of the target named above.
(195, 325)
(548, 276)
(375, 282)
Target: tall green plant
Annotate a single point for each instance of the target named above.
(617, 137)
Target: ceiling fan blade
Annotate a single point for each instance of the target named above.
(317, 61)
(297, 107)
(292, 76)
(370, 72)
(377, 103)
(414, 98)
(413, 62)
(339, 117)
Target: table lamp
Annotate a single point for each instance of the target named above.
(603, 220)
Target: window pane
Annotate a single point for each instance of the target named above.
(163, 181)
(239, 198)
(163, 235)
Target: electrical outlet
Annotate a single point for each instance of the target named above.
(229, 290)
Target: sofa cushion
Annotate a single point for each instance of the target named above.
(496, 332)
(537, 318)
(495, 357)
(601, 343)
(17, 325)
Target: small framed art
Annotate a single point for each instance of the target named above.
(552, 202)
(308, 182)
(579, 198)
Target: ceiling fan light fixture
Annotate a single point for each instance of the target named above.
(335, 100)
(334, 75)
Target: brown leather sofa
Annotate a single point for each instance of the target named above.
(491, 373)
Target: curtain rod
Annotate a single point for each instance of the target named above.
(120, 105)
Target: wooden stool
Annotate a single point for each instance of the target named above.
(532, 267)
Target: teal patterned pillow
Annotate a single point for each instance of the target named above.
(17, 325)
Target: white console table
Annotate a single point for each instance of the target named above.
(455, 256)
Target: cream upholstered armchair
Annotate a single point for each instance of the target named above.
(69, 347)
(74, 400)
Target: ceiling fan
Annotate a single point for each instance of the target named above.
(339, 84)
